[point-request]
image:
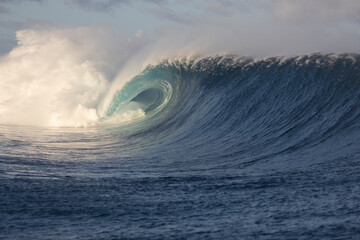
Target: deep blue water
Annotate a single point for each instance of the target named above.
(230, 147)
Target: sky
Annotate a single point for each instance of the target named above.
(243, 27)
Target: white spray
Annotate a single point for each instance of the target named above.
(58, 77)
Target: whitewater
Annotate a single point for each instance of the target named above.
(100, 145)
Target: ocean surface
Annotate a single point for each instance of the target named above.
(220, 147)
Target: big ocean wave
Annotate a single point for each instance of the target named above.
(212, 107)
(225, 106)
(310, 96)
(277, 103)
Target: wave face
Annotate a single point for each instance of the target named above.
(227, 107)
(209, 148)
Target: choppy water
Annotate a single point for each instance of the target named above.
(221, 147)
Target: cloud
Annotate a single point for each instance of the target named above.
(257, 28)
(110, 5)
(192, 12)
(226, 7)
(97, 5)
(310, 10)
(4, 9)
(19, 1)
(167, 13)
(178, 11)
(262, 27)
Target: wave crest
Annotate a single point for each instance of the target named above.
(52, 80)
